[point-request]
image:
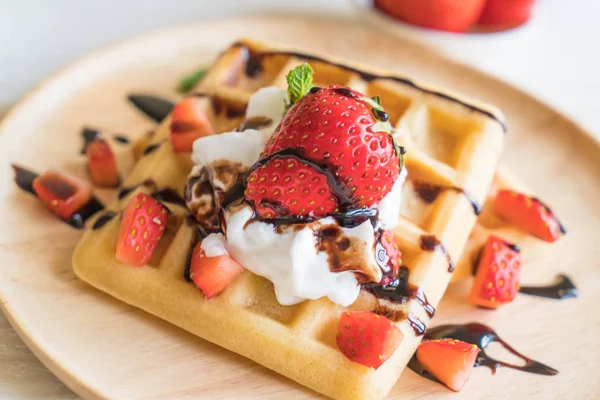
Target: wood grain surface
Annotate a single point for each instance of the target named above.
(102, 348)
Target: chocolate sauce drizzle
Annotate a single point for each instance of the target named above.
(231, 111)
(400, 290)
(157, 108)
(416, 324)
(103, 219)
(166, 195)
(24, 180)
(429, 192)
(89, 135)
(563, 230)
(152, 147)
(257, 122)
(564, 288)
(254, 68)
(431, 243)
(481, 336)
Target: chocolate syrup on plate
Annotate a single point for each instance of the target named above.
(400, 290)
(24, 180)
(157, 108)
(89, 135)
(254, 68)
(431, 243)
(481, 336)
(564, 288)
(429, 192)
(103, 219)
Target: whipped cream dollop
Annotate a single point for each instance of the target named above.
(297, 259)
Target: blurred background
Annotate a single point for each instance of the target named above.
(554, 54)
(546, 47)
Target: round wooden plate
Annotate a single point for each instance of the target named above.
(102, 348)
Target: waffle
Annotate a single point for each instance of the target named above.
(450, 141)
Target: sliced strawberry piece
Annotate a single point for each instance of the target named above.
(529, 214)
(449, 361)
(212, 274)
(287, 187)
(505, 14)
(498, 274)
(367, 338)
(389, 260)
(144, 221)
(63, 194)
(102, 164)
(189, 121)
(447, 15)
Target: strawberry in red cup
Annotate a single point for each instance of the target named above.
(446, 15)
(505, 14)
(498, 274)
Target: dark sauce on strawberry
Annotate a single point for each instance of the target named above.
(400, 290)
(432, 243)
(103, 219)
(564, 288)
(253, 69)
(481, 336)
(429, 193)
(24, 180)
(563, 230)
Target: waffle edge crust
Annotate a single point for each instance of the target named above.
(449, 139)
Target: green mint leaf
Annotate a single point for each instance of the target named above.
(399, 152)
(371, 102)
(189, 81)
(299, 82)
(376, 100)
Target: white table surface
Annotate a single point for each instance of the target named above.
(556, 57)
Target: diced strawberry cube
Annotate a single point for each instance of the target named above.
(213, 274)
(143, 224)
(189, 121)
(367, 338)
(498, 274)
(449, 361)
(102, 164)
(62, 194)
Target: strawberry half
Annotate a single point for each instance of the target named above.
(212, 274)
(102, 164)
(332, 151)
(189, 121)
(367, 338)
(449, 361)
(61, 193)
(498, 274)
(529, 214)
(144, 221)
(505, 14)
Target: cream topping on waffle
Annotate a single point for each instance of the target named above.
(296, 258)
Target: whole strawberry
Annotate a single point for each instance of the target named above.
(333, 151)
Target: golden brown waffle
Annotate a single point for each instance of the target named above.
(451, 141)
